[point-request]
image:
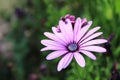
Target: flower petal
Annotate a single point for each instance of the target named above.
(55, 54)
(54, 37)
(53, 48)
(69, 60)
(93, 48)
(65, 61)
(90, 32)
(91, 37)
(89, 54)
(92, 42)
(83, 31)
(84, 20)
(66, 30)
(54, 29)
(79, 58)
(62, 38)
(63, 30)
(77, 28)
(69, 29)
(51, 43)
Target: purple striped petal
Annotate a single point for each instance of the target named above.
(63, 30)
(54, 29)
(61, 37)
(79, 59)
(55, 54)
(51, 43)
(90, 32)
(91, 37)
(89, 54)
(83, 21)
(93, 48)
(65, 61)
(69, 29)
(66, 29)
(55, 38)
(92, 42)
(77, 28)
(83, 31)
(53, 48)
(68, 60)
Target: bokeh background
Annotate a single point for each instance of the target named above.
(22, 23)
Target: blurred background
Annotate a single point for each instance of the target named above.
(22, 23)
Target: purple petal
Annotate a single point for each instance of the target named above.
(91, 37)
(68, 60)
(90, 32)
(58, 35)
(51, 43)
(53, 48)
(79, 58)
(69, 29)
(61, 37)
(83, 21)
(72, 18)
(63, 30)
(77, 28)
(66, 30)
(54, 37)
(54, 29)
(67, 15)
(89, 54)
(83, 31)
(65, 61)
(55, 54)
(94, 48)
(92, 42)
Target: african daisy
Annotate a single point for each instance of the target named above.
(70, 39)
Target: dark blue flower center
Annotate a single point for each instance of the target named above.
(72, 47)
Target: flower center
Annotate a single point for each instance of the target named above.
(72, 47)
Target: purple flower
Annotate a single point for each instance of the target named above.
(71, 41)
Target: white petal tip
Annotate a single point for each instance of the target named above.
(44, 33)
(82, 65)
(59, 69)
(48, 58)
(94, 58)
(106, 41)
(90, 22)
(103, 50)
(98, 27)
(43, 49)
(41, 41)
(100, 33)
(79, 18)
